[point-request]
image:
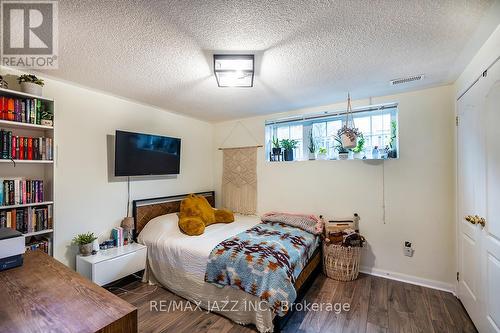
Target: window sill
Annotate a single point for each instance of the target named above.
(336, 159)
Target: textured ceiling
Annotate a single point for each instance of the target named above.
(309, 53)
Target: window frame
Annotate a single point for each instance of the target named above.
(308, 121)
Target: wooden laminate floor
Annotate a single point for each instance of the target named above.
(376, 305)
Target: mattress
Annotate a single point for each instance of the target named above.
(178, 262)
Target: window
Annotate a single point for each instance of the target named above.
(378, 124)
(293, 132)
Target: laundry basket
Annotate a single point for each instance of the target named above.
(340, 262)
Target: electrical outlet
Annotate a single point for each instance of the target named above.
(408, 250)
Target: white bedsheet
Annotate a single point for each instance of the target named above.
(178, 262)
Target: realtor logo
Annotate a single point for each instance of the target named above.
(29, 34)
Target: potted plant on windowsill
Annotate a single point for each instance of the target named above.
(30, 84)
(288, 146)
(276, 149)
(393, 152)
(322, 152)
(312, 147)
(84, 242)
(276, 146)
(342, 151)
(360, 146)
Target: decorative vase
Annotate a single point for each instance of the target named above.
(31, 88)
(86, 249)
(288, 154)
(312, 157)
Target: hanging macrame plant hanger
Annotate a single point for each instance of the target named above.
(349, 133)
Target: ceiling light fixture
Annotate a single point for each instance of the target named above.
(234, 70)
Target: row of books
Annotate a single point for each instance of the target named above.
(24, 148)
(39, 244)
(28, 219)
(20, 191)
(27, 110)
(117, 235)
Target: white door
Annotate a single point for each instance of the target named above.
(491, 234)
(478, 173)
(470, 181)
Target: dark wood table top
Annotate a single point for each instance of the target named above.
(44, 295)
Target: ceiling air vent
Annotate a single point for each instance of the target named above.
(407, 79)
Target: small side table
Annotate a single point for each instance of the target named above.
(112, 264)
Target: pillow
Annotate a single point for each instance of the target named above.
(309, 223)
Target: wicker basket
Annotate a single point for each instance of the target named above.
(341, 263)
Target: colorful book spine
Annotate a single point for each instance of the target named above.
(3, 107)
(14, 148)
(24, 148)
(21, 191)
(4, 144)
(10, 109)
(9, 144)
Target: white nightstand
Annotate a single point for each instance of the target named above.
(112, 264)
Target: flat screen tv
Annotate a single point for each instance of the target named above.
(138, 154)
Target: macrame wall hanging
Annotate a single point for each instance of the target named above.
(349, 133)
(239, 176)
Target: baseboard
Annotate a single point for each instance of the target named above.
(410, 279)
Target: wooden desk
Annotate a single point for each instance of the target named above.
(43, 295)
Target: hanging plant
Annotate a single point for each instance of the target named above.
(349, 133)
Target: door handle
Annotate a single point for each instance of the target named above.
(476, 219)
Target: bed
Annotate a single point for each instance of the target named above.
(179, 262)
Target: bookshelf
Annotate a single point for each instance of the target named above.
(26, 161)
(28, 173)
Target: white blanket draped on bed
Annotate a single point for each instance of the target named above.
(179, 262)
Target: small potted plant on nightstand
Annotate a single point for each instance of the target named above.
(84, 242)
(30, 84)
(288, 146)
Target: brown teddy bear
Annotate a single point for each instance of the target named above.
(196, 213)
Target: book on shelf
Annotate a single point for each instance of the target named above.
(23, 110)
(27, 219)
(39, 244)
(20, 191)
(117, 235)
(25, 148)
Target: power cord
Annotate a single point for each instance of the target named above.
(126, 291)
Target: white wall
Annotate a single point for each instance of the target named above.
(483, 58)
(86, 198)
(419, 187)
